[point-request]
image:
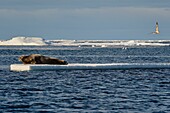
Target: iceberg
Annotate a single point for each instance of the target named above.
(36, 41)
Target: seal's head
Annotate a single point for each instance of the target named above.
(25, 59)
(20, 58)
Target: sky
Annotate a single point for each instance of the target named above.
(85, 19)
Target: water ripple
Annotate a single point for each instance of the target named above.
(137, 90)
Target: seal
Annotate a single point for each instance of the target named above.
(40, 59)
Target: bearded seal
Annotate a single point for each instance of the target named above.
(40, 59)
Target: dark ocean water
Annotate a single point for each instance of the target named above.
(94, 91)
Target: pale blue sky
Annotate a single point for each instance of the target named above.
(85, 19)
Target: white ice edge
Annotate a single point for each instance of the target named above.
(29, 67)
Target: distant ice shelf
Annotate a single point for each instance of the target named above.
(112, 66)
(37, 41)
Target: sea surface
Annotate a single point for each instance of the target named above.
(86, 91)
